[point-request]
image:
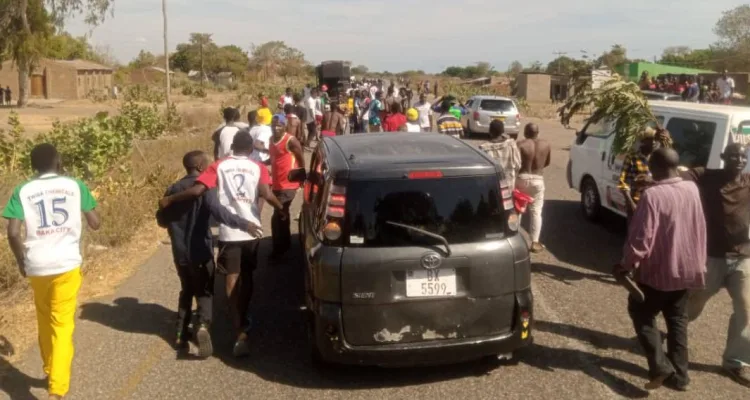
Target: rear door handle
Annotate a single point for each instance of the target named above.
(604, 155)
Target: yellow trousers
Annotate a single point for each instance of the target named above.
(55, 298)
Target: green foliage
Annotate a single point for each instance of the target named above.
(143, 93)
(564, 65)
(617, 101)
(215, 58)
(143, 59)
(90, 147)
(275, 58)
(478, 70)
(194, 91)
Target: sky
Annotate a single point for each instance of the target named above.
(399, 35)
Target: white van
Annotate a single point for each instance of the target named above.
(700, 133)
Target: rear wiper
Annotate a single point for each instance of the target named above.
(424, 232)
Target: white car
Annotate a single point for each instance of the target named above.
(700, 133)
(482, 110)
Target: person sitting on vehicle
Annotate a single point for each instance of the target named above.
(447, 123)
(635, 174)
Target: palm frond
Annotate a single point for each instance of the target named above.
(616, 100)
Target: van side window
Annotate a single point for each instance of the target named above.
(599, 129)
(692, 140)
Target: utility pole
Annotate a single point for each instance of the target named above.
(203, 69)
(166, 56)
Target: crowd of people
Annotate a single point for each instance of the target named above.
(6, 96)
(688, 234)
(695, 89)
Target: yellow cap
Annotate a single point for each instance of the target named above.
(412, 114)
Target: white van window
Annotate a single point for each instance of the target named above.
(692, 140)
(660, 119)
(599, 129)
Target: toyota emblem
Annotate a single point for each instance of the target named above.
(431, 261)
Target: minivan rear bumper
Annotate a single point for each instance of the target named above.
(333, 348)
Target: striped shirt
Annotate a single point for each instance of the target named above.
(667, 237)
(449, 125)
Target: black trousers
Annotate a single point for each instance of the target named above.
(673, 305)
(280, 229)
(312, 132)
(196, 281)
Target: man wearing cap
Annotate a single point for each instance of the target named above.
(261, 135)
(264, 113)
(635, 175)
(412, 121)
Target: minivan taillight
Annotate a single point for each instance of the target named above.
(518, 119)
(476, 115)
(507, 195)
(335, 212)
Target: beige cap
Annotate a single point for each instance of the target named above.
(648, 133)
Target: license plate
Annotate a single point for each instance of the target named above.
(501, 119)
(431, 283)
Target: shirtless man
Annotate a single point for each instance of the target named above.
(535, 156)
(293, 122)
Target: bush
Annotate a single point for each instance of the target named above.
(143, 93)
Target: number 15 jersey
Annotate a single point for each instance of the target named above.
(51, 207)
(237, 179)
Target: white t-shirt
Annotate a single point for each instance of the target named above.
(237, 179)
(310, 105)
(262, 133)
(425, 113)
(413, 127)
(51, 206)
(226, 137)
(286, 100)
(726, 86)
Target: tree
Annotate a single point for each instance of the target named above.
(536, 66)
(359, 70)
(565, 65)
(214, 59)
(200, 41)
(733, 28)
(277, 59)
(144, 59)
(26, 25)
(63, 46)
(24, 38)
(617, 55)
(515, 68)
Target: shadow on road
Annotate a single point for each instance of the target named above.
(606, 341)
(14, 383)
(567, 275)
(574, 240)
(128, 314)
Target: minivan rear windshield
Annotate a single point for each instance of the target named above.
(462, 210)
(496, 105)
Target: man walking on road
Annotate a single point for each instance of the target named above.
(535, 156)
(241, 183)
(51, 206)
(666, 249)
(286, 156)
(425, 113)
(447, 123)
(726, 197)
(503, 149)
(193, 252)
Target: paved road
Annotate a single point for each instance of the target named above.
(584, 341)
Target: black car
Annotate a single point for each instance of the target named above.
(412, 253)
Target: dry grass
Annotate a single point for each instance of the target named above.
(129, 235)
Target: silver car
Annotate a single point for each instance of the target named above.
(482, 110)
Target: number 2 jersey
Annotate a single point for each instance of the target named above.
(237, 179)
(51, 206)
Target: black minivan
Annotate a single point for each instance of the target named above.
(412, 253)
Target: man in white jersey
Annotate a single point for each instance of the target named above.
(241, 183)
(51, 207)
(223, 137)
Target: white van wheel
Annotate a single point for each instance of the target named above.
(590, 202)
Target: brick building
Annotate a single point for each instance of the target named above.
(60, 79)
